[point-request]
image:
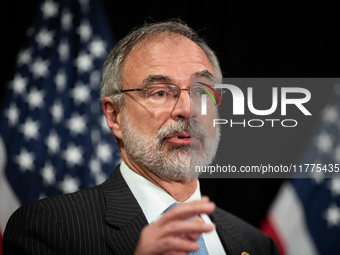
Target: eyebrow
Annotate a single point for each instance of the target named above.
(156, 78)
(203, 74)
(168, 79)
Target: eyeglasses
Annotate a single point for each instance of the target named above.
(163, 95)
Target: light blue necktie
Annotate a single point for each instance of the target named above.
(203, 250)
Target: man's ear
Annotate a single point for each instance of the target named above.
(113, 116)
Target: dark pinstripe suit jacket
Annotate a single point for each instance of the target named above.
(107, 219)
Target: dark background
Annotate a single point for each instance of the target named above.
(251, 40)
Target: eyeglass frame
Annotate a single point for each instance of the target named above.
(144, 89)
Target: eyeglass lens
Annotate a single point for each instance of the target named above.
(168, 94)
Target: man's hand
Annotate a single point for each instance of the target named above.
(172, 233)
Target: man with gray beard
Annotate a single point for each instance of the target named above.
(174, 162)
(152, 202)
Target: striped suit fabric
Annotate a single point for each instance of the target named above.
(106, 219)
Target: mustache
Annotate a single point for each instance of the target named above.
(173, 127)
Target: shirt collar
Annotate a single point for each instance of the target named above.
(152, 199)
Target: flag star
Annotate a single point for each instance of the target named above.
(24, 57)
(69, 184)
(25, 160)
(95, 135)
(73, 155)
(330, 114)
(318, 177)
(60, 80)
(49, 9)
(57, 111)
(98, 48)
(48, 174)
(323, 142)
(53, 142)
(19, 85)
(35, 98)
(76, 124)
(95, 79)
(63, 50)
(100, 178)
(84, 62)
(39, 68)
(80, 93)
(30, 129)
(95, 166)
(104, 152)
(12, 113)
(98, 174)
(334, 186)
(66, 20)
(332, 215)
(44, 38)
(85, 31)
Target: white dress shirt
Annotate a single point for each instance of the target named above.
(154, 201)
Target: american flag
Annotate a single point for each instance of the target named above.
(53, 135)
(305, 218)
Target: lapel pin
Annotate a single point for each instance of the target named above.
(244, 253)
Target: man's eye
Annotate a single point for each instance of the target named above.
(157, 94)
(198, 92)
(161, 93)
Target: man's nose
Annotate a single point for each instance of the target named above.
(181, 109)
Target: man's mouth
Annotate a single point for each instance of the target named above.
(182, 138)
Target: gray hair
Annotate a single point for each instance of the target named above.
(113, 66)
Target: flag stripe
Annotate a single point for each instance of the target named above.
(270, 230)
(306, 212)
(288, 219)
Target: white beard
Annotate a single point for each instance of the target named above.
(176, 162)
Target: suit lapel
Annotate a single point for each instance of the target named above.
(126, 218)
(123, 214)
(229, 235)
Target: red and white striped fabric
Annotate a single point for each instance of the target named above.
(305, 217)
(286, 224)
